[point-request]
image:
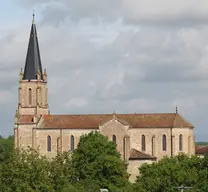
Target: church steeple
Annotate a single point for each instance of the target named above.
(33, 61)
(33, 90)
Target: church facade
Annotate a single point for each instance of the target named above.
(140, 138)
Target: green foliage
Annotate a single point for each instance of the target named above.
(25, 171)
(96, 159)
(173, 172)
(61, 171)
(95, 164)
(6, 146)
(201, 143)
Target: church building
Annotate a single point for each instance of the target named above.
(140, 138)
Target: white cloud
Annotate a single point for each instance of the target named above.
(100, 60)
(5, 97)
(76, 102)
(163, 10)
(145, 11)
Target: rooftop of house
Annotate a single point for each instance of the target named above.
(201, 150)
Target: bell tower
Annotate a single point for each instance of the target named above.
(33, 95)
(33, 91)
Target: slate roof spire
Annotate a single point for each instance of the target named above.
(33, 60)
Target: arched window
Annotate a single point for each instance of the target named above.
(30, 97)
(72, 143)
(58, 144)
(180, 142)
(164, 143)
(143, 143)
(49, 143)
(114, 139)
(153, 146)
(124, 148)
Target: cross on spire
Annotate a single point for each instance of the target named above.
(33, 21)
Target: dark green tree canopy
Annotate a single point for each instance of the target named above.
(172, 172)
(25, 171)
(96, 159)
(95, 164)
(6, 146)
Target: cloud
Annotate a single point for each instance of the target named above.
(114, 56)
(166, 11)
(163, 12)
(76, 102)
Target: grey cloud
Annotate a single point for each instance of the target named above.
(161, 12)
(101, 67)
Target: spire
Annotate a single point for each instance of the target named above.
(33, 21)
(33, 61)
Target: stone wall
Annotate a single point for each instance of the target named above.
(114, 127)
(33, 95)
(60, 140)
(133, 166)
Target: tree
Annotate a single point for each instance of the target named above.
(202, 183)
(97, 160)
(61, 172)
(6, 146)
(172, 172)
(25, 171)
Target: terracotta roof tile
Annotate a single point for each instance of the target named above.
(92, 121)
(201, 149)
(181, 122)
(25, 119)
(138, 155)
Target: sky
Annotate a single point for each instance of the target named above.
(105, 56)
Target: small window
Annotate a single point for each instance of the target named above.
(114, 139)
(153, 146)
(30, 97)
(180, 142)
(49, 143)
(143, 143)
(164, 143)
(72, 143)
(58, 144)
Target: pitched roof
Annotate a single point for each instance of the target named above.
(181, 122)
(25, 119)
(93, 121)
(33, 61)
(138, 155)
(201, 150)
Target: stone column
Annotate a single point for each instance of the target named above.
(126, 146)
(58, 145)
(193, 144)
(189, 145)
(173, 145)
(61, 140)
(20, 95)
(16, 137)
